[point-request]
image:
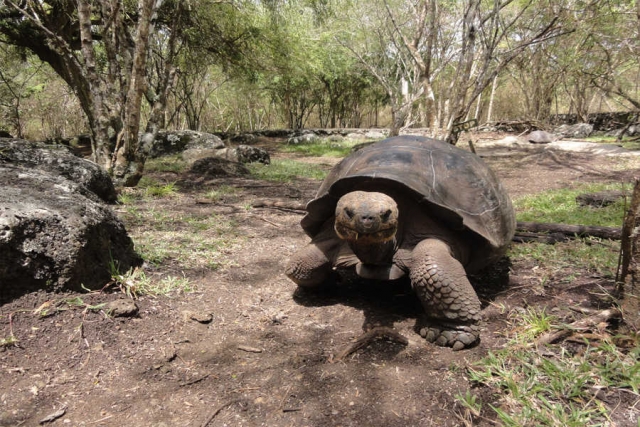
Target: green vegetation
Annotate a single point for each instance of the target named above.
(135, 283)
(592, 255)
(193, 241)
(559, 385)
(560, 206)
(555, 387)
(286, 170)
(173, 163)
(589, 255)
(155, 189)
(220, 192)
(628, 143)
(8, 342)
(322, 148)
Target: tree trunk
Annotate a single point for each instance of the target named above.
(492, 98)
(628, 281)
(128, 160)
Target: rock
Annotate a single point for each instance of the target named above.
(173, 142)
(241, 154)
(355, 136)
(305, 138)
(5, 134)
(248, 154)
(55, 234)
(121, 308)
(375, 134)
(243, 138)
(198, 316)
(579, 130)
(199, 145)
(59, 160)
(216, 167)
(541, 137)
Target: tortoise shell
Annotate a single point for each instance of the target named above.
(453, 184)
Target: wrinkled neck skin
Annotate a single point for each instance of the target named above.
(374, 254)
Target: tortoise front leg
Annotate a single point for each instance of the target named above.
(309, 267)
(451, 304)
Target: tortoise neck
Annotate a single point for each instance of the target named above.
(374, 253)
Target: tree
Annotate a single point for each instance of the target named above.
(614, 51)
(100, 49)
(16, 85)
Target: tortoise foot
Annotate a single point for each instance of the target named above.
(458, 337)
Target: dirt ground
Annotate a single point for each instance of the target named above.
(268, 355)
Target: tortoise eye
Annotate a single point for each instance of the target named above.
(349, 212)
(385, 216)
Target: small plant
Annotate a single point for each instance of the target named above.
(219, 193)
(160, 191)
(127, 197)
(135, 283)
(132, 283)
(470, 401)
(10, 341)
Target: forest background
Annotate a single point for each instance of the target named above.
(120, 69)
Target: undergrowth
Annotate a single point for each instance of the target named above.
(554, 386)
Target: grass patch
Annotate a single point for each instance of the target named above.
(627, 142)
(286, 170)
(560, 206)
(322, 148)
(219, 193)
(173, 163)
(158, 190)
(592, 255)
(589, 255)
(558, 388)
(190, 240)
(135, 283)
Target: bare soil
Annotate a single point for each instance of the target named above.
(268, 357)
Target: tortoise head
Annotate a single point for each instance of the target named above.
(366, 217)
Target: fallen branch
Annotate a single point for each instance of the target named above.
(375, 333)
(585, 324)
(280, 205)
(570, 231)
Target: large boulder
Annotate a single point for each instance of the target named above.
(578, 130)
(60, 160)
(541, 137)
(199, 145)
(173, 142)
(55, 233)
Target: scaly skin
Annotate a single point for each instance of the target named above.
(450, 302)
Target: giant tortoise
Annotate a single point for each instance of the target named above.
(412, 206)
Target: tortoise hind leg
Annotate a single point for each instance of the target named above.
(451, 304)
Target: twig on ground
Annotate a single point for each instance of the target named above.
(267, 221)
(249, 349)
(195, 381)
(365, 339)
(581, 325)
(54, 416)
(220, 408)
